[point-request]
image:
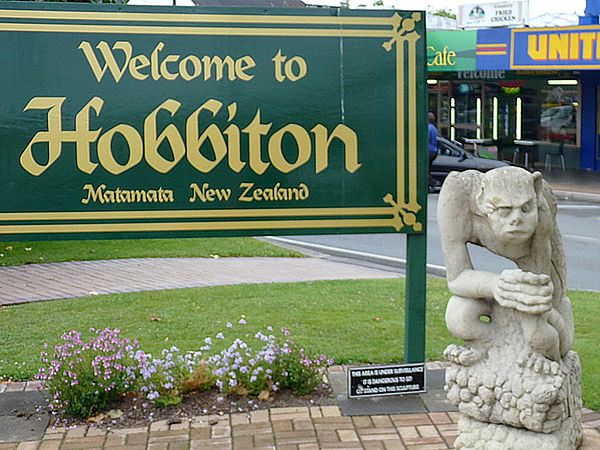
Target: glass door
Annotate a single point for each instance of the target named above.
(466, 115)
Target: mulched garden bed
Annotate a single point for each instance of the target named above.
(133, 412)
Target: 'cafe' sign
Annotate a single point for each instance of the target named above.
(451, 50)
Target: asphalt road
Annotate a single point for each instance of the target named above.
(579, 224)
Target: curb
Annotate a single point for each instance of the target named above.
(577, 196)
(389, 261)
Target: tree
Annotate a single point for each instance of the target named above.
(445, 13)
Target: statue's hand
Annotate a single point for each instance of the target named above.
(524, 291)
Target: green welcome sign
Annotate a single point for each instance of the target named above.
(125, 121)
(178, 122)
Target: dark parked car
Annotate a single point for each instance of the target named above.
(451, 156)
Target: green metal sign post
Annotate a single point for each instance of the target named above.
(178, 122)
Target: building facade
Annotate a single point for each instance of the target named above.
(539, 85)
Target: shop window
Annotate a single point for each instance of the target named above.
(558, 114)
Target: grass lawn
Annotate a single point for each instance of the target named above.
(353, 321)
(18, 253)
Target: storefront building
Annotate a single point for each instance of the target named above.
(520, 84)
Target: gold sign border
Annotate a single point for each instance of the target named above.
(400, 33)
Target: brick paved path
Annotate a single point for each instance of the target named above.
(298, 428)
(36, 282)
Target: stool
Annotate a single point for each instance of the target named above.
(548, 160)
(528, 148)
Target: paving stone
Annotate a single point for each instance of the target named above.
(295, 437)
(49, 445)
(113, 440)
(179, 445)
(200, 433)
(439, 417)
(199, 422)
(394, 445)
(435, 442)
(408, 433)
(76, 432)
(454, 416)
(259, 416)
(448, 430)
(427, 431)
(347, 435)
(315, 411)
(328, 436)
(373, 445)
(158, 446)
(200, 444)
(308, 447)
(593, 423)
(282, 425)
(243, 442)
(53, 437)
(30, 445)
(411, 419)
(428, 447)
(56, 430)
(341, 445)
(363, 422)
(251, 429)
(379, 437)
(128, 447)
(264, 440)
(301, 424)
(330, 411)
(175, 434)
(160, 425)
(237, 419)
(221, 431)
(291, 416)
(382, 421)
(137, 439)
(94, 432)
(288, 410)
(591, 439)
(184, 425)
(83, 442)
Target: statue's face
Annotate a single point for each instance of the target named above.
(514, 221)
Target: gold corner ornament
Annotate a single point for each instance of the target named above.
(405, 204)
(402, 28)
(402, 216)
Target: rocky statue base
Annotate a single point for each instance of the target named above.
(513, 401)
(513, 394)
(474, 434)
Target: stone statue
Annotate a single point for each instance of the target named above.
(515, 379)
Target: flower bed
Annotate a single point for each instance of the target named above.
(85, 377)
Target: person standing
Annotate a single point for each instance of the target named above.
(433, 149)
